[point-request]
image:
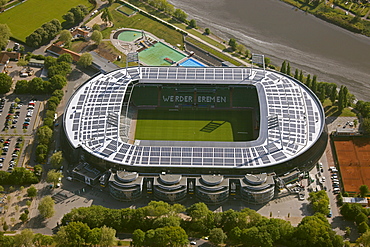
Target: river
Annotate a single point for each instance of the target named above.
(282, 32)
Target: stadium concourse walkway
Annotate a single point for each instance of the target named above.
(190, 35)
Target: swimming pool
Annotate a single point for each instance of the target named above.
(191, 63)
(129, 35)
(160, 54)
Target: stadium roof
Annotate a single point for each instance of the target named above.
(292, 119)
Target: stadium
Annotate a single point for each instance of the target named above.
(214, 132)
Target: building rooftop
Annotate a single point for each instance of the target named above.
(292, 120)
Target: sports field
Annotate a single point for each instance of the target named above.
(31, 14)
(353, 155)
(194, 125)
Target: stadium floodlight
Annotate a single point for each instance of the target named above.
(132, 57)
(258, 59)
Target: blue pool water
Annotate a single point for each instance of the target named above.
(191, 63)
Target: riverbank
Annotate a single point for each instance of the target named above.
(331, 13)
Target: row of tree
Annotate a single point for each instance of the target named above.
(323, 90)
(4, 35)
(75, 234)
(44, 34)
(168, 8)
(5, 83)
(75, 15)
(18, 176)
(159, 220)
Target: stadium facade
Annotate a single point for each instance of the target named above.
(288, 118)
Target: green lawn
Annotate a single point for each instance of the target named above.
(142, 22)
(28, 16)
(194, 125)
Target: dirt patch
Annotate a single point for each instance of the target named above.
(106, 50)
(353, 155)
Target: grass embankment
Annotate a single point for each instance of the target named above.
(332, 110)
(176, 23)
(212, 51)
(31, 14)
(193, 125)
(141, 22)
(336, 16)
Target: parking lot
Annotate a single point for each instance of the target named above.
(18, 119)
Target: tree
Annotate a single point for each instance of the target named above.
(3, 2)
(296, 74)
(42, 240)
(46, 207)
(308, 81)
(366, 125)
(44, 134)
(54, 177)
(5, 226)
(96, 27)
(333, 94)
(57, 82)
(4, 35)
(65, 57)
(106, 16)
(66, 37)
(5, 83)
(364, 239)
(207, 31)
(61, 68)
(74, 234)
(41, 152)
(24, 239)
(288, 69)
(283, 67)
(350, 210)
(300, 78)
(232, 44)
(267, 60)
(193, 23)
(24, 217)
(1, 188)
(32, 191)
(363, 227)
(138, 238)
(314, 84)
(240, 48)
(97, 37)
(181, 15)
(69, 18)
(320, 202)
(316, 231)
(108, 236)
(56, 159)
(217, 236)
(85, 60)
(364, 190)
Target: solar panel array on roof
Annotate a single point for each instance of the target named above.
(94, 122)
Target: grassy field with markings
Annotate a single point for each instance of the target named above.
(31, 14)
(194, 125)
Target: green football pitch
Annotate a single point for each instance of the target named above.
(194, 125)
(31, 14)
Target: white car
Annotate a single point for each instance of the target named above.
(69, 178)
(323, 179)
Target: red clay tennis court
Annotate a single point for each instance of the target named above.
(353, 154)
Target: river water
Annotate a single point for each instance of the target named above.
(281, 32)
